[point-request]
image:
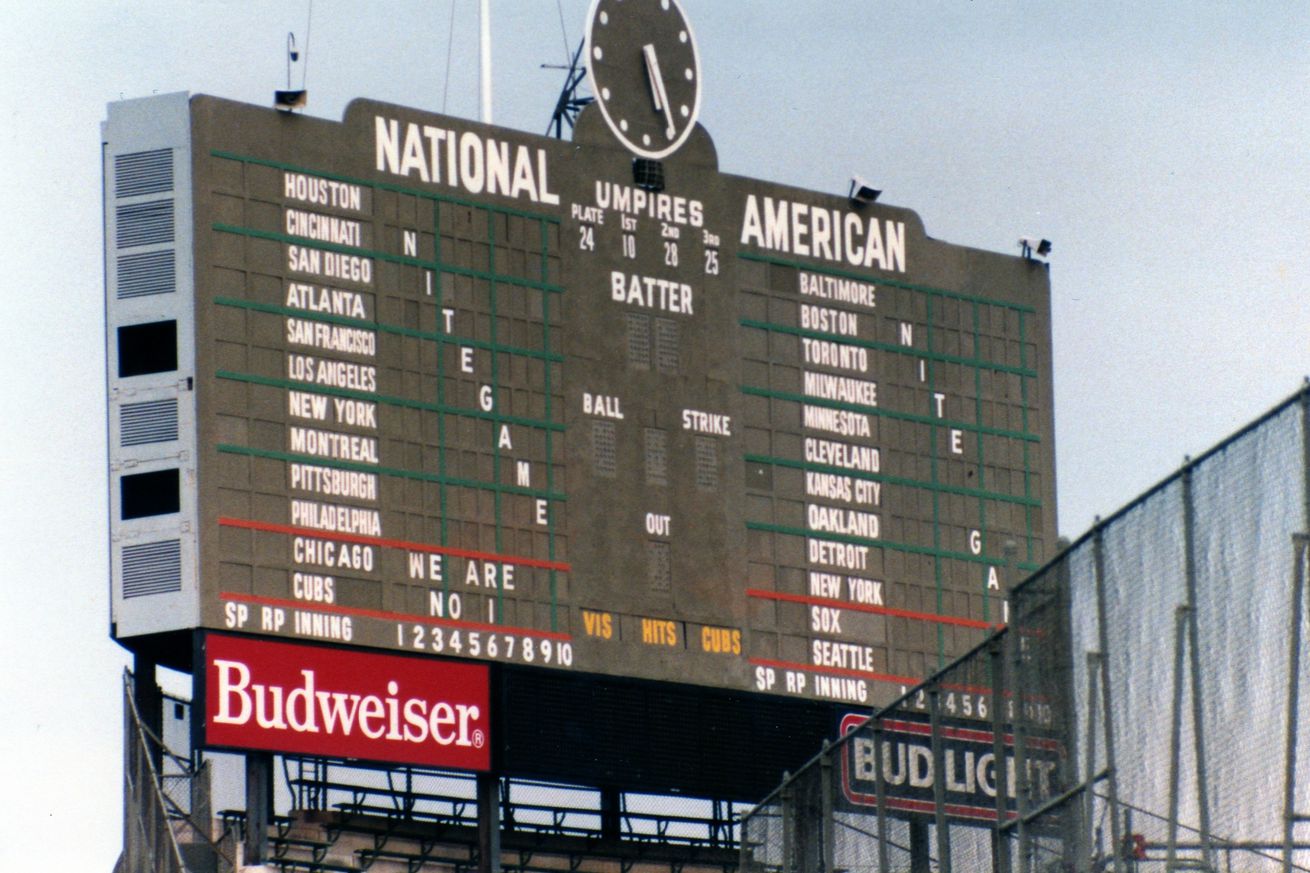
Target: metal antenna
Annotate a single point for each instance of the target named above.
(569, 103)
(292, 56)
(309, 25)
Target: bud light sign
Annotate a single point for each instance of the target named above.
(313, 700)
(969, 776)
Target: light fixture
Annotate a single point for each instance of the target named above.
(287, 100)
(1031, 245)
(862, 192)
(648, 174)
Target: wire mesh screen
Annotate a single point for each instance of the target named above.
(1144, 707)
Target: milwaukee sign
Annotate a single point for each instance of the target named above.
(313, 700)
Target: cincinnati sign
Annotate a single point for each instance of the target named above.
(343, 703)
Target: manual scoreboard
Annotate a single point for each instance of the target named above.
(412, 383)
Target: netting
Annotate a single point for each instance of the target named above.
(1139, 708)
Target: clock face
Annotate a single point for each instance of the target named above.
(645, 73)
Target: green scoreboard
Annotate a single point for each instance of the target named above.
(414, 383)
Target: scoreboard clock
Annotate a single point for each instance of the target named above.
(410, 383)
(644, 72)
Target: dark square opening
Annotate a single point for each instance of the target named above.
(147, 348)
(147, 494)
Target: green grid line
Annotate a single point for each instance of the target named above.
(404, 260)
(887, 413)
(894, 283)
(982, 464)
(890, 480)
(394, 472)
(386, 186)
(895, 348)
(346, 321)
(550, 456)
(936, 498)
(937, 553)
(271, 382)
(495, 405)
(1027, 466)
(439, 292)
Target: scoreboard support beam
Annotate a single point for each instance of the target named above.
(259, 806)
(488, 822)
(920, 848)
(149, 701)
(611, 813)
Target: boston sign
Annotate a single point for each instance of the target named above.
(312, 700)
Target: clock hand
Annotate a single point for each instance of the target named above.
(657, 92)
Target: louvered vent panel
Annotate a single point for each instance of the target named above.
(657, 457)
(604, 448)
(707, 463)
(638, 341)
(666, 345)
(659, 565)
(146, 274)
(152, 422)
(145, 224)
(152, 568)
(143, 173)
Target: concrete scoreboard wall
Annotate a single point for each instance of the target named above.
(412, 383)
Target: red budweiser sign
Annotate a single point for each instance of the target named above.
(343, 703)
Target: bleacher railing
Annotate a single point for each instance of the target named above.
(166, 820)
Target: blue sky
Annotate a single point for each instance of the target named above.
(1160, 146)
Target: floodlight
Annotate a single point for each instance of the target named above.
(1030, 245)
(862, 192)
(289, 100)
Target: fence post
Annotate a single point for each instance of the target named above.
(1014, 639)
(939, 781)
(1089, 771)
(920, 854)
(1301, 568)
(1193, 638)
(130, 849)
(881, 788)
(1301, 545)
(1000, 838)
(745, 832)
(1098, 567)
(1175, 735)
(786, 797)
(829, 851)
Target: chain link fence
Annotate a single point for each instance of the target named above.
(1144, 708)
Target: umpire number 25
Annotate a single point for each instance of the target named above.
(711, 262)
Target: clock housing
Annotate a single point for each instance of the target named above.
(645, 73)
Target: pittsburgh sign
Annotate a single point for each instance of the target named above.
(338, 703)
(969, 768)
